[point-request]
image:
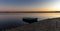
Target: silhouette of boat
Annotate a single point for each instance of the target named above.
(30, 20)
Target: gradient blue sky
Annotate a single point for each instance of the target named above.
(20, 4)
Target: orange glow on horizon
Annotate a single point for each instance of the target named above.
(27, 9)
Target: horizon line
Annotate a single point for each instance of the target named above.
(29, 11)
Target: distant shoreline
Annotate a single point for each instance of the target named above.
(29, 11)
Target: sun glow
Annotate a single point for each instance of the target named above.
(56, 6)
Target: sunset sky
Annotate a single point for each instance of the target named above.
(29, 5)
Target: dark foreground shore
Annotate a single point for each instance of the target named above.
(52, 24)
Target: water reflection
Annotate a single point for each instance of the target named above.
(20, 15)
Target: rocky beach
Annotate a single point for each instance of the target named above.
(52, 24)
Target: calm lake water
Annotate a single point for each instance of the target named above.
(21, 15)
(10, 18)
